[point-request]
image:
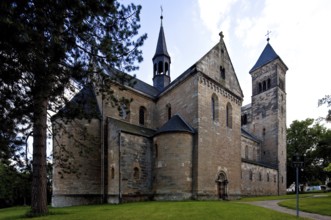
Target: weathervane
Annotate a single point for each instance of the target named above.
(268, 35)
(161, 12)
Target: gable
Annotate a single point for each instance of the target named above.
(217, 65)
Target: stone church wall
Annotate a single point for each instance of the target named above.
(219, 144)
(138, 100)
(173, 166)
(77, 175)
(250, 150)
(130, 169)
(257, 180)
(182, 100)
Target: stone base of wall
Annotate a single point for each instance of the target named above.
(172, 196)
(114, 199)
(215, 197)
(72, 200)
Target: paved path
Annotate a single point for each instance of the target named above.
(273, 204)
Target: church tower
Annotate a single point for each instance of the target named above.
(161, 62)
(269, 110)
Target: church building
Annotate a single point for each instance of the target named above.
(186, 138)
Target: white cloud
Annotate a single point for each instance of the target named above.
(300, 34)
(214, 14)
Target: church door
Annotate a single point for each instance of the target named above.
(222, 183)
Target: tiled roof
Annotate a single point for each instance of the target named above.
(268, 55)
(175, 124)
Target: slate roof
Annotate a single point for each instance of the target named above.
(250, 136)
(268, 55)
(175, 124)
(139, 85)
(161, 47)
(82, 105)
(146, 88)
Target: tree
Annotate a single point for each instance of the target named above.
(48, 43)
(326, 101)
(314, 142)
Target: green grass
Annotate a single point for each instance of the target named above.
(320, 203)
(190, 210)
(263, 198)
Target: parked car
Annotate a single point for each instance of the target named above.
(313, 188)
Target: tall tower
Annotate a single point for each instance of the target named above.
(161, 62)
(269, 110)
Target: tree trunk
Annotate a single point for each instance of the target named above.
(39, 178)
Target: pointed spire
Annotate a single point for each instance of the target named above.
(267, 55)
(161, 47)
(161, 61)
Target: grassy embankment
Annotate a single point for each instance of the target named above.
(189, 210)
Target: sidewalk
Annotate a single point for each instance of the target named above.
(273, 204)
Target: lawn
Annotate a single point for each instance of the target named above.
(318, 203)
(190, 210)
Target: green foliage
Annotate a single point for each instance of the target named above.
(190, 210)
(15, 186)
(326, 101)
(314, 142)
(328, 168)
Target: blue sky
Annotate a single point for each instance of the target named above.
(300, 35)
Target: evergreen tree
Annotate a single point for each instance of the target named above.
(44, 45)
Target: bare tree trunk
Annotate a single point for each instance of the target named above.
(39, 173)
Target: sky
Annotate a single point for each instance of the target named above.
(300, 33)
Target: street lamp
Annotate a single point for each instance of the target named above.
(297, 162)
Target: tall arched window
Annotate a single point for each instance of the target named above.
(142, 112)
(246, 152)
(229, 115)
(260, 87)
(166, 72)
(169, 111)
(214, 107)
(112, 173)
(160, 68)
(269, 83)
(264, 86)
(222, 72)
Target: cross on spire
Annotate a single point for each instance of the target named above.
(268, 35)
(221, 35)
